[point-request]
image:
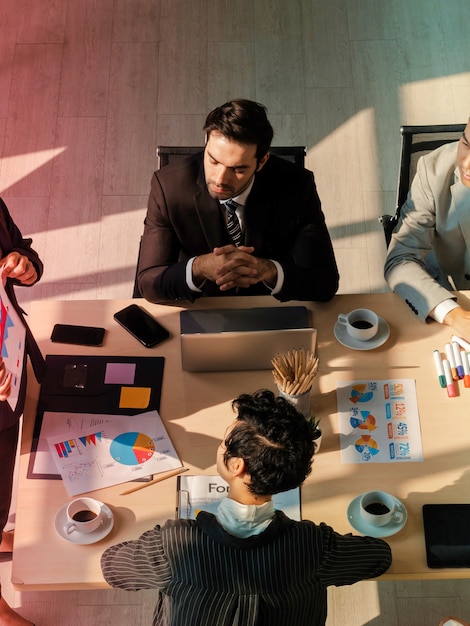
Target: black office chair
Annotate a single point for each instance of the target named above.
(169, 154)
(415, 142)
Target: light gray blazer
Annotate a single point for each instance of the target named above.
(429, 253)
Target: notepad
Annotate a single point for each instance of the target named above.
(204, 493)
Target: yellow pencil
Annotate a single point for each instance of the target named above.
(156, 480)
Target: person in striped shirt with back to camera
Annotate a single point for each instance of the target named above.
(248, 564)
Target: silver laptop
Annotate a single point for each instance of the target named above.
(242, 339)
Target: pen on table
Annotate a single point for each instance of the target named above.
(457, 359)
(466, 369)
(450, 358)
(465, 345)
(440, 369)
(449, 379)
(159, 479)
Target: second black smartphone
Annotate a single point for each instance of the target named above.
(141, 325)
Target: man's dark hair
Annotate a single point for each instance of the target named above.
(244, 122)
(274, 440)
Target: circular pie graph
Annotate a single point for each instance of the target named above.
(132, 448)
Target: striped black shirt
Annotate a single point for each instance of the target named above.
(207, 577)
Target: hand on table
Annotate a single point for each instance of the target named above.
(18, 267)
(459, 320)
(230, 267)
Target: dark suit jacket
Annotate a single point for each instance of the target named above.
(11, 240)
(283, 221)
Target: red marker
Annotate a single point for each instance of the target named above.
(449, 379)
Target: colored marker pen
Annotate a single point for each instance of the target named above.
(449, 379)
(465, 345)
(466, 369)
(440, 369)
(450, 358)
(457, 359)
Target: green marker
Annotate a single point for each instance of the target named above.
(440, 369)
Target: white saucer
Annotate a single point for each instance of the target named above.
(82, 538)
(383, 333)
(358, 523)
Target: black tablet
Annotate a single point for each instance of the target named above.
(447, 535)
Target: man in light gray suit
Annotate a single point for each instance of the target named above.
(429, 254)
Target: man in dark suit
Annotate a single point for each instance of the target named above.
(279, 243)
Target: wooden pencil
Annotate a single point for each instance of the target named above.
(158, 479)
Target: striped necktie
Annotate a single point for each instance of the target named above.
(233, 224)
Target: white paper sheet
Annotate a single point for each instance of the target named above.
(97, 451)
(379, 421)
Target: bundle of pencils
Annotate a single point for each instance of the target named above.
(295, 371)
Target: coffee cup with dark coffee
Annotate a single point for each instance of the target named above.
(360, 324)
(84, 515)
(378, 508)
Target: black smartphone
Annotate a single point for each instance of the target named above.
(79, 335)
(141, 325)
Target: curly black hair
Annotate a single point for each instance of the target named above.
(274, 440)
(244, 122)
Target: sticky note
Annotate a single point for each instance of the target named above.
(119, 374)
(134, 397)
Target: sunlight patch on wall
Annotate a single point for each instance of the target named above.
(345, 164)
(20, 166)
(435, 100)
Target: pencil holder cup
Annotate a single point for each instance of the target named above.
(301, 402)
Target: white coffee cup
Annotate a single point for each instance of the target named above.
(84, 515)
(378, 508)
(361, 324)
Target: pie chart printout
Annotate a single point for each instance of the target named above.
(132, 448)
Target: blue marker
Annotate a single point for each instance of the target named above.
(458, 359)
(440, 369)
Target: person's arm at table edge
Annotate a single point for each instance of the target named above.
(20, 244)
(349, 558)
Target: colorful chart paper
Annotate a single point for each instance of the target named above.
(12, 340)
(379, 421)
(95, 453)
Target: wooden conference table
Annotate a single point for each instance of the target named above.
(196, 410)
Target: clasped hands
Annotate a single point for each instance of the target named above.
(18, 267)
(229, 267)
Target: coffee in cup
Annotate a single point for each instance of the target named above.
(84, 515)
(360, 324)
(378, 508)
